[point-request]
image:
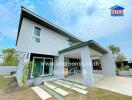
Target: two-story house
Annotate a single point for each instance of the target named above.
(49, 47)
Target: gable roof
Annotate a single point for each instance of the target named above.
(91, 43)
(116, 7)
(39, 20)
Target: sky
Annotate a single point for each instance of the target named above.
(86, 19)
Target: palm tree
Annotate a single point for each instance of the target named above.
(115, 50)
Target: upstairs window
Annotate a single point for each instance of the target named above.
(36, 35)
(70, 43)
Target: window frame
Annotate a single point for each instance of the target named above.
(34, 36)
(70, 43)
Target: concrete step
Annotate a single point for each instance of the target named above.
(41, 93)
(75, 84)
(75, 87)
(57, 92)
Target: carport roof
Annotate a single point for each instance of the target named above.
(91, 43)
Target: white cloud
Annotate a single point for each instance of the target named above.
(9, 14)
(125, 48)
(92, 18)
(87, 19)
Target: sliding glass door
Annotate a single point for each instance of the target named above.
(42, 66)
(38, 67)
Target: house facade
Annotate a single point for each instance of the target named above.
(56, 53)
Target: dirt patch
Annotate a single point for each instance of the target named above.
(10, 91)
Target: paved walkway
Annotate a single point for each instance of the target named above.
(59, 89)
(79, 77)
(118, 84)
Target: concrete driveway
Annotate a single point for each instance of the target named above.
(122, 85)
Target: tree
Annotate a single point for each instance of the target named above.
(10, 57)
(115, 50)
(120, 57)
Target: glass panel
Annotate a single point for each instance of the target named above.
(38, 69)
(36, 39)
(37, 31)
(51, 67)
(48, 66)
(66, 62)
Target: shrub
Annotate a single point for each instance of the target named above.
(26, 68)
(126, 68)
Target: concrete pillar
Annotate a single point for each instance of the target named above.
(59, 66)
(25, 57)
(108, 64)
(86, 67)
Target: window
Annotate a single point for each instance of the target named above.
(70, 43)
(36, 35)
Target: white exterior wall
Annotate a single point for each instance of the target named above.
(22, 60)
(94, 53)
(59, 66)
(50, 41)
(108, 64)
(86, 67)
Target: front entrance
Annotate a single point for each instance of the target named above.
(42, 66)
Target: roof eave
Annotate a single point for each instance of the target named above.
(32, 16)
(92, 44)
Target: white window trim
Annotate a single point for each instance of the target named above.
(36, 35)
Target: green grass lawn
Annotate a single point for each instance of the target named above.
(101, 94)
(3, 84)
(9, 92)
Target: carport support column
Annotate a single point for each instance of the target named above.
(108, 64)
(59, 66)
(86, 67)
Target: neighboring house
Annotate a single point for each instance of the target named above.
(48, 47)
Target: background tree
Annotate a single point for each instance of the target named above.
(10, 57)
(115, 50)
(120, 57)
